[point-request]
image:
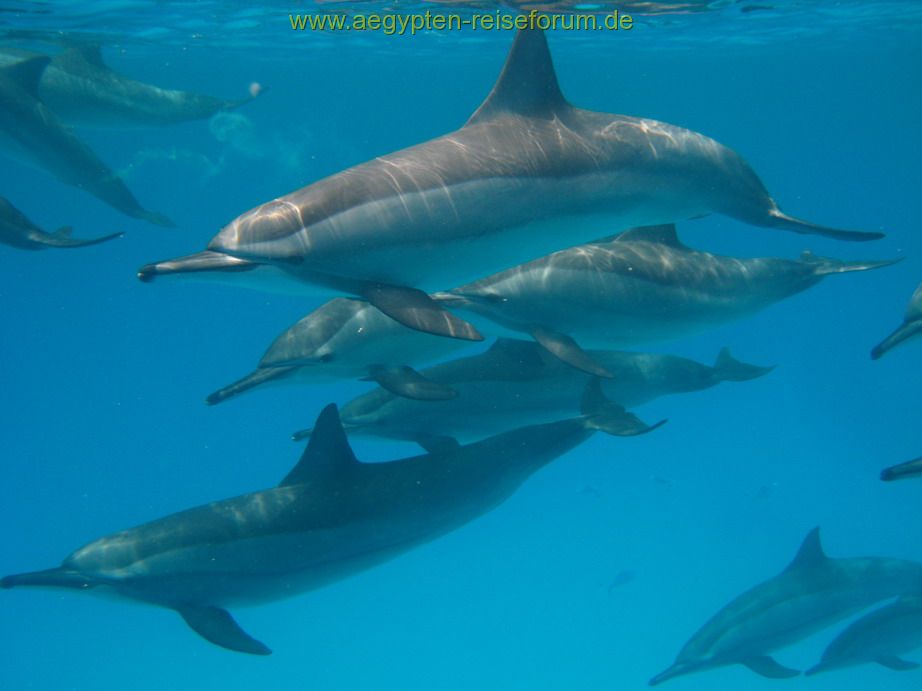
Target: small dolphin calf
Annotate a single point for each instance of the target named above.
(643, 285)
(910, 328)
(18, 231)
(30, 132)
(902, 471)
(330, 517)
(882, 636)
(526, 175)
(82, 90)
(812, 593)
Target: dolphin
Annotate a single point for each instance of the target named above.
(349, 339)
(30, 132)
(18, 231)
(910, 328)
(902, 471)
(526, 175)
(812, 593)
(639, 286)
(329, 518)
(881, 636)
(82, 90)
(517, 383)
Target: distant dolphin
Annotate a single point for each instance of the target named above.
(18, 231)
(82, 90)
(349, 339)
(330, 517)
(812, 593)
(902, 471)
(517, 383)
(911, 327)
(881, 636)
(30, 132)
(526, 175)
(640, 286)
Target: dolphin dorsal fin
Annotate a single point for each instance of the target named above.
(28, 73)
(810, 553)
(527, 85)
(662, 235)
(328, 453)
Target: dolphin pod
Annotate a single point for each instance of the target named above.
(330, 517)
(526, 175)
(812, 593)
(910, 328)
(18, 231)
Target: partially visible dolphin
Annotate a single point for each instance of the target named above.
(882, 636)
(517, 383)
(902, 471)
(82, 90)
(18, 231)
(349, 339)
(910, 328)
(330, 517)
(643, 285)
(30, 132)
(526, 175)
(812, 593)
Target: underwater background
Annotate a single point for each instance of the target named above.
(600, 568)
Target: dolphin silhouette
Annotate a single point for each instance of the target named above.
(18, 231)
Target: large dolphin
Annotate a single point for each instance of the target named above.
(82, 90)
(330, 517)
(910, 328)
(30, 132)
(902, 471)
(526, 175)
(812, 593)
(643, 285)
(349, 339)
(516, 383)
(18, 231)
(881, 636)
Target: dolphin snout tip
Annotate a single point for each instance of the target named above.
(147, 273)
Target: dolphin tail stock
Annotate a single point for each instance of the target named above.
(903, 333)
(62, 238)
(58, 577)
(728, 368)
(780, 220)
(599, 413)
(260, 376)
(823, 266)
(416, 310)
(217, 626)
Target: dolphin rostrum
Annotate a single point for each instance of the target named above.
(911, 326)
(526, 175)
(518, 383)
(31, 132)
(18, 231)
(82, 90)
(643, 285)
(329, 518)
(881, 636)
(902, 471)
(812, 593)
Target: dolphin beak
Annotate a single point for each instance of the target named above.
(58, 577)
(676, 670)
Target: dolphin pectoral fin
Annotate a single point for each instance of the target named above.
(728, 368)
(218, 626)
(780, 220)
(566, 349)
(611, 418)
(415, 309)
(903, 333)
(406, 382)
(768, 667)
(438, 444)
(897, 664)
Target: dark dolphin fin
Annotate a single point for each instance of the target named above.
(328, 453)
(438, 444)
(255, 378)
(528, 83)
(897, 664)
(415, 309)
(811, 552)
(906, 331)
(62, 238)
(605, 416)
(767, 666)
(778, 219)
(661, 235)
(218, 626)
(728, 368)
(902, 471)
(568, 350)
(406, 382)
(27, 73)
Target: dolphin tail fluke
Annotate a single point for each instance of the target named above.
(779, 219)
(903, 333)
(62, 238)
(601, 414)
(728, 368)
(58, 577)
(218, 626)
(768, 667)
(569, 351)
(258, 377)
(406, 382)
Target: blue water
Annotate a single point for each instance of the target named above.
(102, 378)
